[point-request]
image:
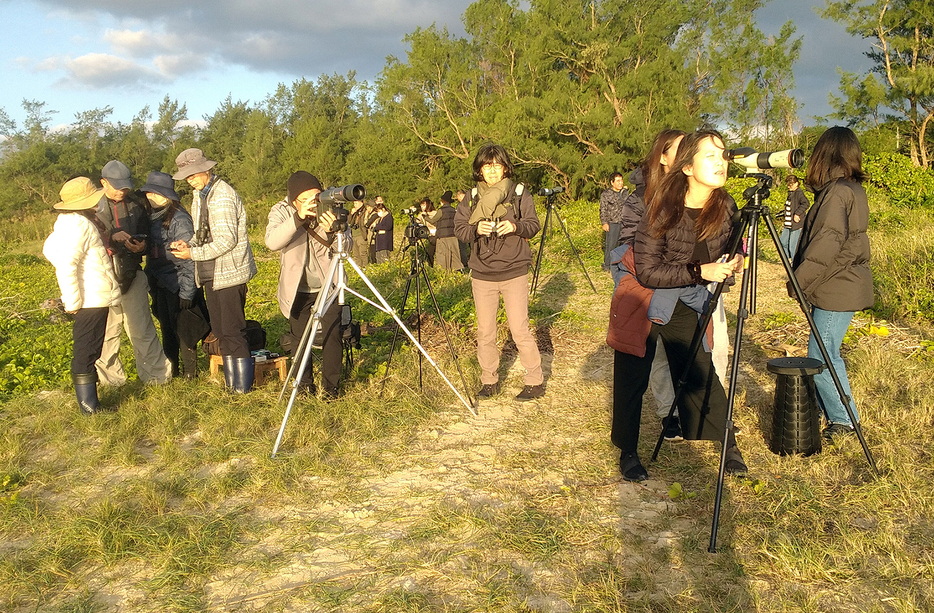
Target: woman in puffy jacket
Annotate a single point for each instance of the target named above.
(86, 280)
(832, 262)
(678, 245)
(171, 279)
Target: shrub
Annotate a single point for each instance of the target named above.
(907, 186)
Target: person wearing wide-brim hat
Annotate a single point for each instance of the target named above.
(172, 280)
(223, 260)
(86, 280)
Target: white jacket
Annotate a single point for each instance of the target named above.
(82, 266)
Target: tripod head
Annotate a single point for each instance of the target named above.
(755, 194)
(551, 194)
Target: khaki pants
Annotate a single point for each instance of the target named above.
(133, 314)
(515, 293)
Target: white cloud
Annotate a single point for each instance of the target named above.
(174, 66)
(102, 70)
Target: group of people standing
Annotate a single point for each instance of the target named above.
(673, 231)
(197, 269)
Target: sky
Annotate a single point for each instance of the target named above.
(79, 55)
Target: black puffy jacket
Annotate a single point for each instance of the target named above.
(663, 262)
(832, 263)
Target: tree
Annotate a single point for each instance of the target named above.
(902, 35)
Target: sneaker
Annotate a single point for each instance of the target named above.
(838, 430)
(631, 467)
(672, 429)
(530, 392)
(735, 465)
(488, 389)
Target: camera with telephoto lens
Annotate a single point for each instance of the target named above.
(332, 200)
(415, 230)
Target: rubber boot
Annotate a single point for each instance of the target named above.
(245, 371)
(229, 371)
(86, 391)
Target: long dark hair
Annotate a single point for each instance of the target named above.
(488, 154)
(429, 205)
(651, 166)
(665, 209)
(837, 155)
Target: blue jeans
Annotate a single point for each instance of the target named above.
(789, 239)
(832, 326)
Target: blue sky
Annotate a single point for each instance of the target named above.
(78, 55)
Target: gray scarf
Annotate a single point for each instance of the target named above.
(490, 205)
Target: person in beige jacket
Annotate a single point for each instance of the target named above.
(304, 241)
(86, 280)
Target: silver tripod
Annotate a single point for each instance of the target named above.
(335, 282)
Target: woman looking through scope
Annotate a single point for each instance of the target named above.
(678, 244)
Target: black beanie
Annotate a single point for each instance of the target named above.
(301, 181)
(447, 197)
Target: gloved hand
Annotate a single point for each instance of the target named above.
(184, 304)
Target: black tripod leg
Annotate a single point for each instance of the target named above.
(541, 250)
(431, 292)
(395, 335)
(741, 314)
(576, 254)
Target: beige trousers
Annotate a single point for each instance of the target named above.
(515, 293)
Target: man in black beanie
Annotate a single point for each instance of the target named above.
(304, 242)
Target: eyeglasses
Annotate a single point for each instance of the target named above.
(492, 166)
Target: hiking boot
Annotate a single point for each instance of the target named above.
(735, 465)
(531, 392)
(488, 389)
(672, 429)
(631, 467)
(838, 430)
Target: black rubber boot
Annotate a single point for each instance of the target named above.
(86, 391)
(244, 372)
(229, 371)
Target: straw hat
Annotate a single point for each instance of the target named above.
(79, 194)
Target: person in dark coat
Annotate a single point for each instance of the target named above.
(611, 211)
(447, 253)
(678, 244)
(172, 280)
(380, 225)
(832, 261)
(796, 207)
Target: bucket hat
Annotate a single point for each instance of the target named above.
(191, 162)
(160, 183)
(79, 194)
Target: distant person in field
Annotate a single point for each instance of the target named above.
(611, 214)
(223, 260)
(126, 237)
(832, 261)
(357, 222)
(447, 251)
(425, 216)
(171, 279)
(677, 248)
(796, 207)
(86, 279)
(380, 224)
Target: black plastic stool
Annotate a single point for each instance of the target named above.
(796, 421)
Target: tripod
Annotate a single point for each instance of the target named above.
(334, 287)
(748, 220)
(418, 273)
(552, 207)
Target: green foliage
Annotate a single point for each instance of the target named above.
(907, 185)
(35, 352)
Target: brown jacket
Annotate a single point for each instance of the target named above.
(832, 263)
